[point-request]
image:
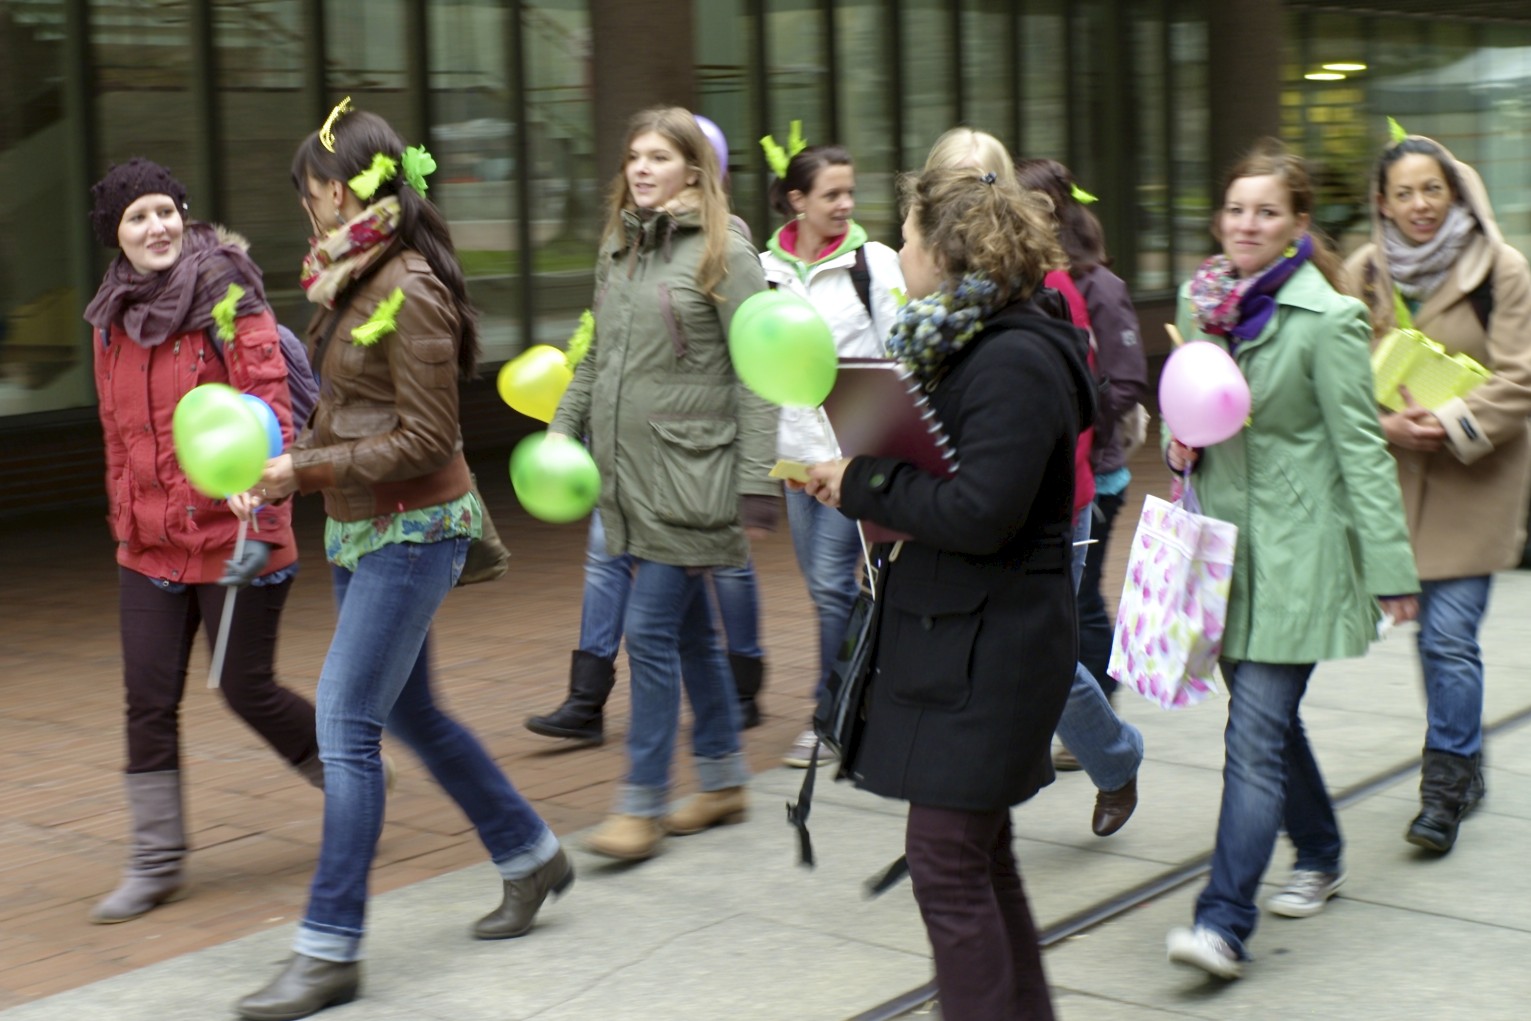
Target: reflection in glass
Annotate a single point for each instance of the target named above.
(44, 358)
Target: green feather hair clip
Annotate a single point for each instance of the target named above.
(777, 158)
(223, 312)
(418, 165)
(366, 183)
(579, 341)
(384, 320)
(1081, 196)
(1395, 132)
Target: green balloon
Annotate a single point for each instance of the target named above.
(555, 479)
(220, 441)
(783, 350)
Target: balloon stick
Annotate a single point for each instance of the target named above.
(221, 646)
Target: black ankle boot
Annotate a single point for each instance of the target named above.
(749, 677)
(1443, 795)
(524, 897)
(581, 716)
(306, 986)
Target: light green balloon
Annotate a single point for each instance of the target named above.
(556, 480)
(220, 441)
(783, 350)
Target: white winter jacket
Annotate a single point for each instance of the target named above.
(858, 334)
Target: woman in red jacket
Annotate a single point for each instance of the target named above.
(175, 285)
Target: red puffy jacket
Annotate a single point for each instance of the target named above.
(164, 528)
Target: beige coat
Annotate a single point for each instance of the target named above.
(1466, 503)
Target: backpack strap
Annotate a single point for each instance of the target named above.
(861, 279)
(1482, 300)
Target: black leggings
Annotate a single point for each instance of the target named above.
(158, 628)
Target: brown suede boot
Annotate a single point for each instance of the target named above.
(626, 837)
(708, 809)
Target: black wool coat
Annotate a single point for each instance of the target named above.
(976, 635)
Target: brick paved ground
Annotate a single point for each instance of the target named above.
(502, 653)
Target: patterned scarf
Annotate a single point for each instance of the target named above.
(344, 254)
(180, 299)
(1419, 269)
(1227, 305)
(930, 330)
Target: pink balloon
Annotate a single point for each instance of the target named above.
(715, 136)
(1203, 396)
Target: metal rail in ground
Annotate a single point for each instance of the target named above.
(1177, 876)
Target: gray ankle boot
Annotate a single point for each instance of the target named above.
(154, 872)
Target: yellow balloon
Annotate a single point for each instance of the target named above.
(534, 381)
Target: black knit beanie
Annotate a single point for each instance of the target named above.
(124, 184)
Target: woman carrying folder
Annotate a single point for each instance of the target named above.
(1438, 262)
(974, 649)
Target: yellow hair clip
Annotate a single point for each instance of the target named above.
(327, 133)
(366, 183)
(1081, 196)
(777, 158)
(1395, 132)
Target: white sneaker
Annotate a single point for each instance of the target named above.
(1305, 894)
(801, 752)
(1202, 948)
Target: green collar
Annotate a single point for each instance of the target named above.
(854, 238)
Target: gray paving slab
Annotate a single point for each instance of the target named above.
(726, 924)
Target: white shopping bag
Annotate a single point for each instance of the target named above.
(1174, 605)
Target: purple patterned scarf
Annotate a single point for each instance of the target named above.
(1227, 305)
(180, 299)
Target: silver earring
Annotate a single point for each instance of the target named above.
(801, 216)
(340, 218)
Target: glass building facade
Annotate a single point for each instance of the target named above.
(502, 94)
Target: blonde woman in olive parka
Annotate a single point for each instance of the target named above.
(1438, 262)
(685, 454)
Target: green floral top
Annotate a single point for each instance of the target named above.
(346, 542)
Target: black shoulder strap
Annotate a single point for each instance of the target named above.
(1482, 299)
(861, 279)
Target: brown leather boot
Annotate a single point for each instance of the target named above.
(626, 837)
(1114, 808)
(708, 809)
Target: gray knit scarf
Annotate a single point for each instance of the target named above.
(1419, 269)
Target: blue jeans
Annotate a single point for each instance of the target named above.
(377, 673)
(1108, 747)
(1450, 612)
(1270, 779)
(671, 641)
(609, 580)
(828, 547)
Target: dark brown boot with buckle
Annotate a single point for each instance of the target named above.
(1114, 808)
(523, 899)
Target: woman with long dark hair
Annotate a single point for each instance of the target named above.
(393, 334)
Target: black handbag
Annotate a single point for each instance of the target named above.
(840, 716)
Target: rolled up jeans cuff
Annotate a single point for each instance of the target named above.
(326, 946)
(524, 863)
(646, 802)
(722, 773)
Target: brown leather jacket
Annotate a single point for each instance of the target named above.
(385, 436)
